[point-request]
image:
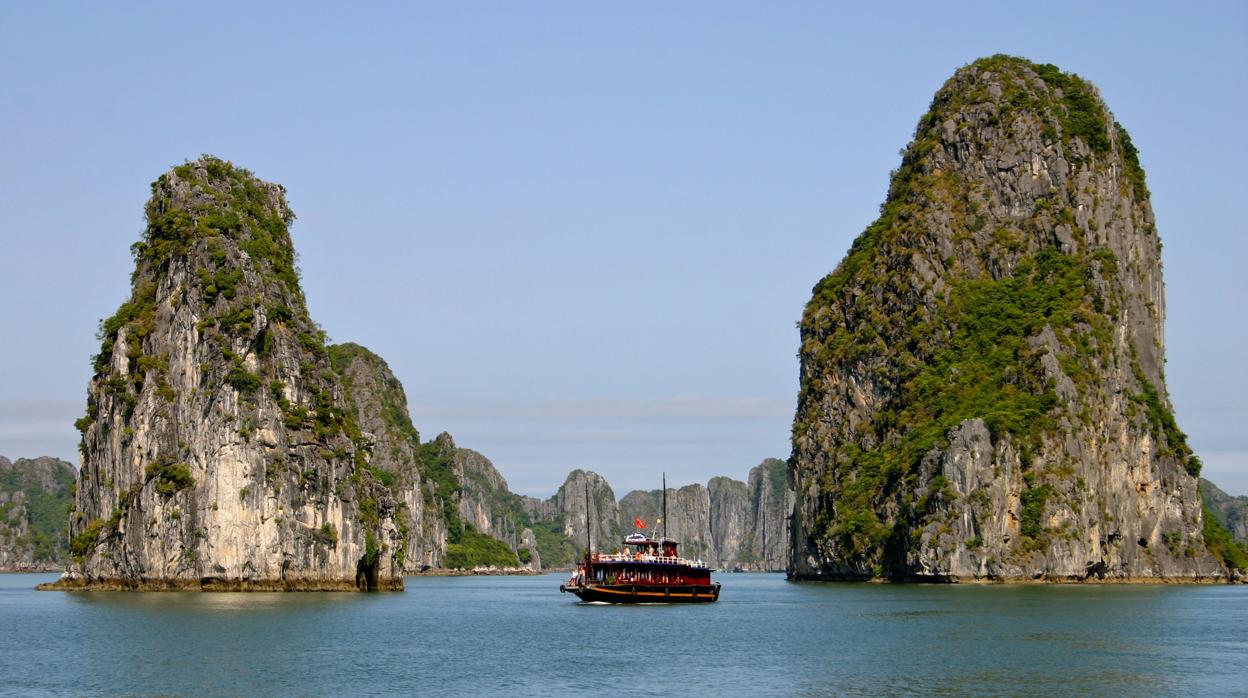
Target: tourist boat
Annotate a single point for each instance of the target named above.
(652, 573)
(649, 570)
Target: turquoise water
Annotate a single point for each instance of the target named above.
(517, 636)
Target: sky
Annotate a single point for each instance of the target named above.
(581, 234)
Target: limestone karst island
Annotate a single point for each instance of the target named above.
(982, 391)
(981, 397)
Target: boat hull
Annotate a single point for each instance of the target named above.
(644, 593)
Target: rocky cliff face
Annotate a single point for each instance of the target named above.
(981, 377)
(412, 472)
(769, 511)
(35, 496)
(728, 520)
(488, 506)
(219, 450)
(568, 507)
(688, 518)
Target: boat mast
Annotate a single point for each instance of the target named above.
(664, 506)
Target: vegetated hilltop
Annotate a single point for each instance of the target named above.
(35, 496)
(218, 450)
(982, 391)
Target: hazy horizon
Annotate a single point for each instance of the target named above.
(580, 236)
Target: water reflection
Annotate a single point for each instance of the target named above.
(193, 602)
(519, 636)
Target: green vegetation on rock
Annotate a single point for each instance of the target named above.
(87, 538)
(983, 367)
(39, 494)
(473, 549)
(170, 477)
(1166, 432)
(555, 548)
(989, 289)
(1231, 552)
(435, 464)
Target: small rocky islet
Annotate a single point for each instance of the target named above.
(981, 396)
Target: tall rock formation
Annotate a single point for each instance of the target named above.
(981, 377)
(770, 509)
(729, 522)
(35, 496)
(412, 472)
(218, 450)
(569, 508)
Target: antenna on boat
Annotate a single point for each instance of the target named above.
(589, 542)
(664, 506)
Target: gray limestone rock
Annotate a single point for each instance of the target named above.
(218, 450)
(486, 503)
(1006, 418)
(770, 510)
(727, 523)
(569, 505)
(728, 516)
(688, 518)
(377, 400)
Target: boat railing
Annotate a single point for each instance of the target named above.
(626, 557)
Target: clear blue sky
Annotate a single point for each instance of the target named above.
(580, 233)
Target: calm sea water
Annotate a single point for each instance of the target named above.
(517, 636)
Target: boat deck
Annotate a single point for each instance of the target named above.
(618, 558)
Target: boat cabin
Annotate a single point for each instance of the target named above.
(664, 547)
(654, 561)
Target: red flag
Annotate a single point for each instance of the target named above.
(640, 523)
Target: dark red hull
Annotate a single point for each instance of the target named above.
(645, 593)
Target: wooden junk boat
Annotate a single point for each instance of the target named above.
(651, 572)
